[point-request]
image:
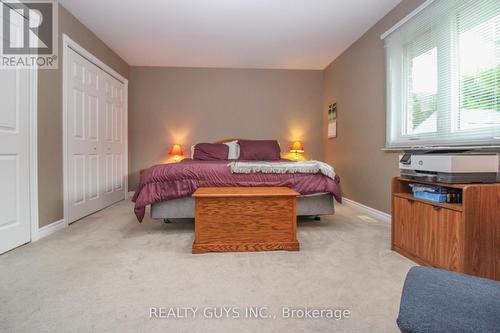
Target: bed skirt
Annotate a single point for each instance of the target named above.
(307, 205)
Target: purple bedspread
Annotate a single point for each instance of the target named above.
(171, 181)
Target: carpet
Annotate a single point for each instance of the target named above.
(108, 273)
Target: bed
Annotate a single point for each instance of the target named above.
(168, 187)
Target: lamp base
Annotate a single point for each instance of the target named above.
(296, 156)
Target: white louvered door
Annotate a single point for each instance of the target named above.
(95, 145)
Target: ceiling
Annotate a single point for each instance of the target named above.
(292, 34)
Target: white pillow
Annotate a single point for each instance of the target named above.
(234, 150)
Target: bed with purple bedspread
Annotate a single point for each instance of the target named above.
(178, 180)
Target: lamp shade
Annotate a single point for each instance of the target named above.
(176, 150)
(297, 147)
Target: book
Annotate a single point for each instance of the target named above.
(428, 188)
(436, 197)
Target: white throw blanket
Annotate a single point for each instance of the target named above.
(283, 167)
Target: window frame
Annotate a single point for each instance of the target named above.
(448, 91)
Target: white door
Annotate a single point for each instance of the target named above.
(14, 154)
(114, 144)
(83, 141)
(94, 136)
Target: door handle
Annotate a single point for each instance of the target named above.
(95, 148)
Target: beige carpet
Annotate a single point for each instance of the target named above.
(102, 274)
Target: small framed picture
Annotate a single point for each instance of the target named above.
(332, 120)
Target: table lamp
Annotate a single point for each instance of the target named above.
(176, 152)
(297, 149)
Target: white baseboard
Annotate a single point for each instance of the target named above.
(51, 228)
(377, 214)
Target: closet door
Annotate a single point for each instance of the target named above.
(95, 137)
(84, 142)
(113, 137)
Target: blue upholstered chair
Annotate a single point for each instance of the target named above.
(438, 301)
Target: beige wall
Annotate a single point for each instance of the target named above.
(186, 106)
(356, 81)
(50, 164)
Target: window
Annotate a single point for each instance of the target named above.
(421, 91)
(443, 76)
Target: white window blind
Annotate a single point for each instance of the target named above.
(443, 76)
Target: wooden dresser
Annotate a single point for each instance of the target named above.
(231, 219)
(462, 237)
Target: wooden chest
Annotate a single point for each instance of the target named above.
(232, 219)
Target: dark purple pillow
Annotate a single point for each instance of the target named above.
(259, 150)
(210, 151)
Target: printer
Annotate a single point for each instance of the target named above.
(450, 167)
